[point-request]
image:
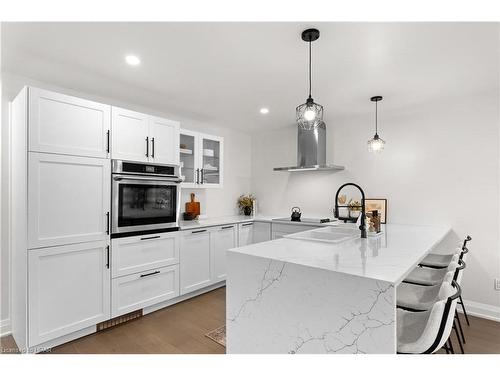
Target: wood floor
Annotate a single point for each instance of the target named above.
(181, 328)
(177, 329)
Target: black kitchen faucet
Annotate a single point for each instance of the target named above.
(362, 227)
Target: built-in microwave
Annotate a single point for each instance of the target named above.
(145, 198)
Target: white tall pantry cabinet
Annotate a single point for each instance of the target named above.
(60, 217)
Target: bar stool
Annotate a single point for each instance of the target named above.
(442, 260)
(426, 332)
(414, 297)
(431, 276)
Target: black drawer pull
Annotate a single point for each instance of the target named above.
(149, 238)
(246, 224)
(198, 231)
(107, 257)
(150, 274)
(228, 227)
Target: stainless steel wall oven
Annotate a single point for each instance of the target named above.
(145, 198)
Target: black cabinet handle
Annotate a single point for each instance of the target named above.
(246, 224)
(149, 238)
(198, 231)
(107, 141)
(152, 147)
(228, 227)
(150, 274)
(147, 146)
(202, 176)
(197, 175)
(107, 257)
(107, 222)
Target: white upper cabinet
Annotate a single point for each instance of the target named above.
(140, 137)
(130, 135)
(64, 124)
(189, 158)
(201, 159)
(212, 154)
(68, 199)
(164, 138)
(68, 289)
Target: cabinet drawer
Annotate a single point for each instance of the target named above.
(134, 292)
(136, 254)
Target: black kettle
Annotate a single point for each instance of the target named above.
(296, 213)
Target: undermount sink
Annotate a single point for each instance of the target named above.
(326, 234)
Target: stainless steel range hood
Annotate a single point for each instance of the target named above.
(311, 152)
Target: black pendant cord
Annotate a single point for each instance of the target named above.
(310, 69)
(376, 118)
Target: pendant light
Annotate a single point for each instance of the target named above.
(376, 144)
(310, 114)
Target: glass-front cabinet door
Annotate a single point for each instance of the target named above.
(201, 159)
(211, 160)
(189, 158)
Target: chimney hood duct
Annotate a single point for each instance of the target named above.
(311, 151)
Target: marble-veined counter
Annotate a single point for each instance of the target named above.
(300, 296)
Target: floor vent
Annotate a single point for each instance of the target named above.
(119, 320)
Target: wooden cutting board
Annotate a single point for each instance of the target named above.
(193, 207)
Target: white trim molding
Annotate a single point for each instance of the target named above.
(481, 310)
(5, 329)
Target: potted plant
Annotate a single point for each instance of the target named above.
(354, 209)
(245, 203)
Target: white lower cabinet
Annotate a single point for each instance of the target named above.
(68, 289)
(139, 290)
(195, 260)
(245, 234)
(223, 239)
(253, 232)
(261, 231)
(142, 253)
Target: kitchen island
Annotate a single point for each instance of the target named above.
(295, 295)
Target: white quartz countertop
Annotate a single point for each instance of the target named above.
(388, 257)
(223, 220)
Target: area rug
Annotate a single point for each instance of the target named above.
(218, 335)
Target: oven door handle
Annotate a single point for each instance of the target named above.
(176, 180)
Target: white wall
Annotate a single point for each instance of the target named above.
(214, 202)
(440, 165)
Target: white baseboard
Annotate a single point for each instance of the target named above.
(5, 327)
(481, 310)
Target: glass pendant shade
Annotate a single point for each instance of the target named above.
(376, 144)
(309, 115)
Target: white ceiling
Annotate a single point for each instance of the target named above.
(224, 73)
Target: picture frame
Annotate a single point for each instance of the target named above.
(379, 204)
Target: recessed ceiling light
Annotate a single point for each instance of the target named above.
(132, 60)
(264, 111)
